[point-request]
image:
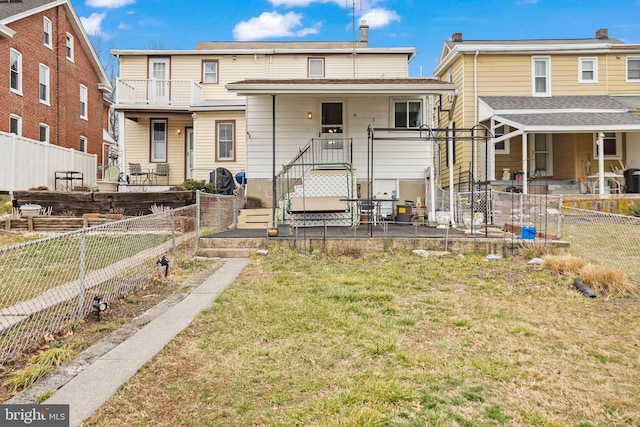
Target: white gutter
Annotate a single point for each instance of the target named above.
(346, 88)
(259, 50)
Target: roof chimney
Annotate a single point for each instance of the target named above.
(602, 33)
(364, 32)
(456, 37)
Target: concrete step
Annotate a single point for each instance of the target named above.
(225, 252)
(239, 243)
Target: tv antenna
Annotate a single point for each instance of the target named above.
(353, 30)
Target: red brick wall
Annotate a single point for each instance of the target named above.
(63, 115)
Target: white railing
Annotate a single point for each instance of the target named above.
(28, 163)
(159, 92)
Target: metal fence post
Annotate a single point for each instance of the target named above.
(559, 233)
(82, 273)
(198, 206)
(173, 237)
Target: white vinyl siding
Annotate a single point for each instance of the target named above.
(47, 33)
(15, 78)
(44, 84)
(588, 70)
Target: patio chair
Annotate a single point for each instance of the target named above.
(135, 172)
(112, 174)
(162, 169)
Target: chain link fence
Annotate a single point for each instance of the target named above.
(604, 239)
(47, 283)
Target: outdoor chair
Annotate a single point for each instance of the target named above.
(135, 172)
(112, 174)
(162, 169)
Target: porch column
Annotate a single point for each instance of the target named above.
(525, 162)
(600, 163)
(273, 160)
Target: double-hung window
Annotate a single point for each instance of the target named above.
(83, 102)
(504, 146)
(225, 147)
(541, 75)
(315, 67)
(69, 42)
(612, 145)
(47, 33)
(407, 114)
(159, 140)
(15, 59)
(15, 124)
(209, 71)
(83, 144)
(633, 68)
(44, 133)
(44, 84)
(588, 70)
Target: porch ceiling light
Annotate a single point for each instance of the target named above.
(309, 115)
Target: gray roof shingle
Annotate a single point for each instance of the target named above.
(575, 119)
(584, 102)
(8, 10)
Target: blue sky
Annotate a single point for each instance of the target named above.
(423, 24)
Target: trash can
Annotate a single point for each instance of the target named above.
(403, 214)
(632, 180)
(528, 233)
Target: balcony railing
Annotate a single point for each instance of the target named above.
(159, 92)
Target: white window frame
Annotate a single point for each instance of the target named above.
(156, 144)
(70, 50)
(84, 104)
(18, 72)
(18, 120)
(609, 136)
(546, 76)
(219, 140)
(312, 73)
(83, 141)
(47, 33)
(581, 70)
(497, 132)
(45, 127)
(44, 79)
(632, 79)
(209, 74)
(407, 102)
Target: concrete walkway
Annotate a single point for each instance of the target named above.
(92, 387)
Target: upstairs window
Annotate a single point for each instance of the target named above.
(70, 52)
(407, 114)
(209, 71)
(47, 33)
(633, 68)
(15, 124)
(44, 133)
(83, 102)
(225, 149)
(541, 75)
(15, 59)
(44, 84)
(588, 70)
(315, 67)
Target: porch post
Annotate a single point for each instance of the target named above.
(600, 163)
(273, 160)
(452, 206)
(525, 161)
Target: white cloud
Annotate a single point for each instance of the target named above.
(379, 17)
(302, 3)
(272, 24)
(93, 24)
(109, 4)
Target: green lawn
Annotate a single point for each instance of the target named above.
(383, 339)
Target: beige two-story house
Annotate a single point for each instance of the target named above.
(548, 106)
(276, 110)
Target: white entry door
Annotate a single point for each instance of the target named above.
(189, 153)
(159, 80)
(541, 158)
(332, 132)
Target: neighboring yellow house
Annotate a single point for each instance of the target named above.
(258, 106)
(547, 103)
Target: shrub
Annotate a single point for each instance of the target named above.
(564, 264)
(193, 185)
(634, 209)
(607, 280)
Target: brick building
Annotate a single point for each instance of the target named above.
(51, 80)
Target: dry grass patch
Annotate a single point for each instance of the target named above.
(607, 280)
(386, 339)
(564, 264)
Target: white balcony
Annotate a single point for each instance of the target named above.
(152, 92)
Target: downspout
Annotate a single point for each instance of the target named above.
(273, 160)
(600, 163)
(475, 113)
(525, 162)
